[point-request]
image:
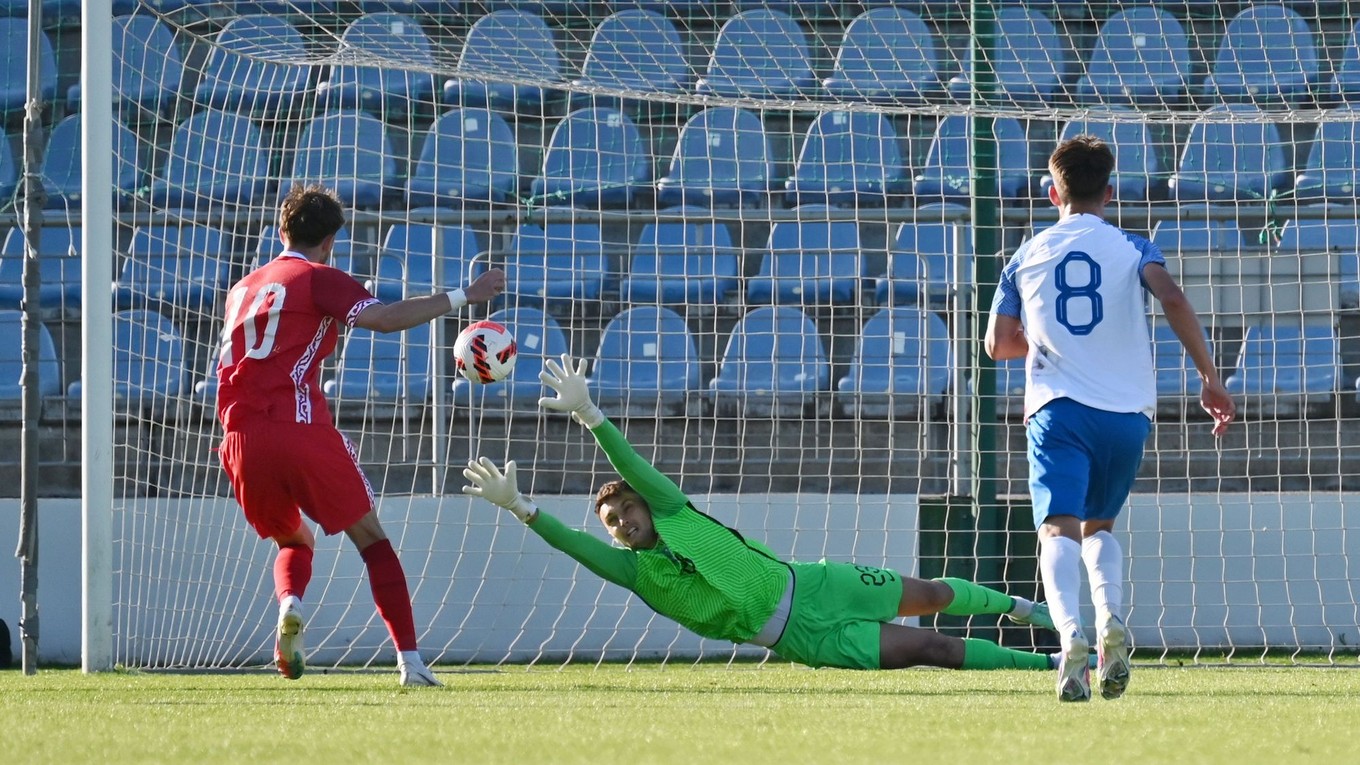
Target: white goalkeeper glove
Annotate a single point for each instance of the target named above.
(568, 380)
(489, 483)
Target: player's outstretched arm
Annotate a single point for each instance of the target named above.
(1213, 397)
(568, 381)
(404, 314)
(501, 489)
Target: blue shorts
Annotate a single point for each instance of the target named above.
(1082, 461)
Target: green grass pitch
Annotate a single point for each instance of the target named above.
(695, 715)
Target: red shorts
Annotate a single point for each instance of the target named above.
(281, 469)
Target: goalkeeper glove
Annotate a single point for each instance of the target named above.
(498, 488)
(568, 380)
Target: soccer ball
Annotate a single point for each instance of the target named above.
(485, 352)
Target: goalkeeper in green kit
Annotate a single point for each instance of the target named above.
(690, 568)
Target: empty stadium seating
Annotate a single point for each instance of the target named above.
(849, 158)
(538, 336)
(469, 157)
(1332, 172)
(1339, 238)
(774, 365)
(722, 158)
(888, 55)
(1345, 83)
(1010, 388)
(681, 262)
(382, 371)
(254, 67)
(14, 67)
(901, 365)
(1238, 161)
(1033, 60)
(922, 263)
(636, 51)
(215, 158)
(1141, 58)
(147, 69)
(1286, 368)
(63, 163)
(12, 365)
(1178, 384)
(406, 263)
(1138, 175)
(183, 266)
(595, 158)
(809, 262)
(389, 93)
(148, 364)
(945, 177)
(58, 267)
(507, 44)
(349, 151)
(647, 364)
(1268, 56)
(759, 53)
(9, 172)
(561, 264)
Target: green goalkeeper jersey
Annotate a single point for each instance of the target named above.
(701, 573)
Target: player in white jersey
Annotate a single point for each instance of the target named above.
(1071, 303)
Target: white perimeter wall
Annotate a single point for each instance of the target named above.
(1205, 570)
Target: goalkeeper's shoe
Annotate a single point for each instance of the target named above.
(1074, 670)
(1112, 669)
(1038, 616)
(288, 644)
(417, 675)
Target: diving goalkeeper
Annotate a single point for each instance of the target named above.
(690, 568)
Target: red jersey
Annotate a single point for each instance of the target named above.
(281, 323)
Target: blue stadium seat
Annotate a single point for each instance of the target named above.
(392, 94)
(1033, 60)
(1332, 172)
(808, 9)
(392, 369)
(674, 7)
(849, 158)
(1194, 233)
(148, 362)
(215, 158)
(346, 254)
(470, 157)
(759, 54)
(186, 266)
(1345, 85)
(647, 363)
(349, 151)
(1238, 161)
(406, 262)
(147, 69)
(688, 262)
(1341, 237)
(507, 44)
(253, 67)
(633, 51)
(945, 176)
(538, 336)
(888, 55)
(1286, 367)
(1268, 56)
(63, 164)
(1177, 379)
(9, 173)
(1137, 176)
(563, 263)
(411, 7)
(922, 267)
(12, 364)
(809, 262)
(1141, 58)
(596, 158)
(722, 158)
(773, 365)
(14, 67)
(58, 268)
(901, 365)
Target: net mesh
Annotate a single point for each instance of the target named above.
(757, 219)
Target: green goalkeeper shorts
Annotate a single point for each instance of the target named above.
(837, 611)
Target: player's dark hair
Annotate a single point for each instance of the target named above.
(309, 214)
(1081, 168)
(619, 488)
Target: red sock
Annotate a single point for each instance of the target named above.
(292, 570)
(388, 581)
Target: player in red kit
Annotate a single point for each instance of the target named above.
(281, 450)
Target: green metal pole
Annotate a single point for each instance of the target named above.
(986, 216)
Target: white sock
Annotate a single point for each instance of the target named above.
(1060, 564)
(409, 658)
(1022, 608)
(290, 601)
(1104, 560)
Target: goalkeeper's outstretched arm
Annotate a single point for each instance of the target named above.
(500, 488)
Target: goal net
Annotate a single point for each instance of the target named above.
(775, 229)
